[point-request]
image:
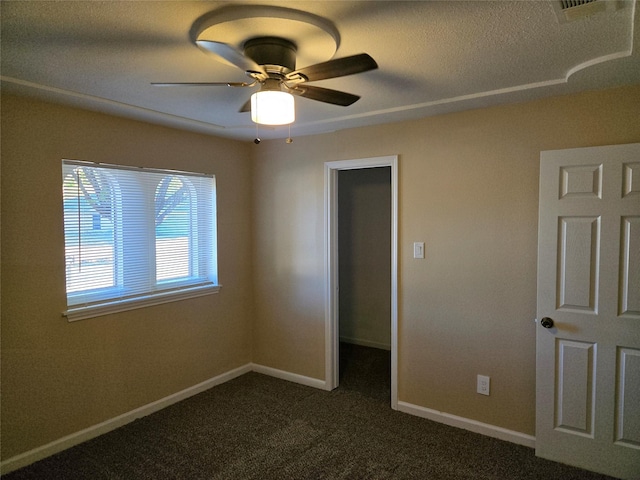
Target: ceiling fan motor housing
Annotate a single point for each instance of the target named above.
(271, 84)
(277, 55)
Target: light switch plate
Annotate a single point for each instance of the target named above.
(418, 249)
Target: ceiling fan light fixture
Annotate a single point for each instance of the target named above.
(272, 107)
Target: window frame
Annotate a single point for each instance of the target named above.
(85, 305)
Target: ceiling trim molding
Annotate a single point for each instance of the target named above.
(478, 95)
(118, 107)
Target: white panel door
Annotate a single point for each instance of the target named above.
(588, 315)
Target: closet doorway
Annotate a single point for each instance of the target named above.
(361, 319)
(364, 277)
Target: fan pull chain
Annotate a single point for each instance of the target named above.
(256, 116)
(289, 139)
(257, 139)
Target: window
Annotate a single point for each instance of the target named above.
(136, 237)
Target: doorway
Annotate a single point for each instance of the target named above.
(361, 272)
(364, 276)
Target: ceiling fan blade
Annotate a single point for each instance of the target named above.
(335, 68)
(202, 84)
(231, 55)
(325, 95)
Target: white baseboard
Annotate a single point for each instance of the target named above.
(291, 377)
(468, 424)
(76, 438)
(27, 458)
(365, 343)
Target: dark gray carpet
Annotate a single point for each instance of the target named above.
(258, 427)
(366, 371)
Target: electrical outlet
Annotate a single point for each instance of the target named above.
(484, 383)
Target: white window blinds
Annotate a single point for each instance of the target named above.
(135, 234)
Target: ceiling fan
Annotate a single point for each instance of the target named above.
(270, 62)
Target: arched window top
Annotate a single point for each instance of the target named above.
(97, 189)
(171, 194)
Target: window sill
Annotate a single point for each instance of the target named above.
(90, 311)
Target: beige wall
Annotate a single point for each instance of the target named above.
(468, 186)
(364, 245)
(60, 377)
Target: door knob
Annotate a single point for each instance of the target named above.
(546, 322)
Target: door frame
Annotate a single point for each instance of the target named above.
(332, 336)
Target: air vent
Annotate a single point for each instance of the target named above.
(570, 10)
(564, 4)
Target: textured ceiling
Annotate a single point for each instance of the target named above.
(434, 57)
